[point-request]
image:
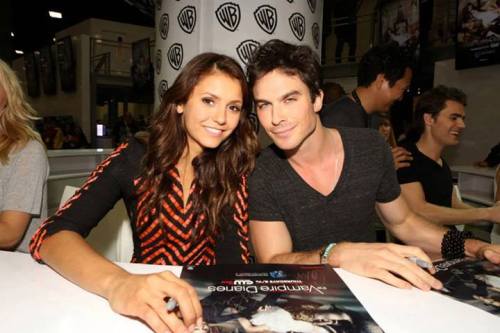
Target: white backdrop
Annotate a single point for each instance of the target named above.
(185, 28)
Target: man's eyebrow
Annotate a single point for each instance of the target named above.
(261, 101)
(291, 93)
(282, 97)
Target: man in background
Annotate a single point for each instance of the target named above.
(427, 184)
(384, 75)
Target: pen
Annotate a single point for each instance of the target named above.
(419, 262)
(170, 305)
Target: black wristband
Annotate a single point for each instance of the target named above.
(453, 244)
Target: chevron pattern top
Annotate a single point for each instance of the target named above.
(165, 238)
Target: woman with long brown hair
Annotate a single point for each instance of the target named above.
(187, 200)
(400, 155)
(385, 128)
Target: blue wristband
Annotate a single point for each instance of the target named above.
(325, 253)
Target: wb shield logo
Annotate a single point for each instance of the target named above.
(277, 274)
(246, 49)
(175, 55)
(158, 61)
(312, 5)
(267, 18)
(252, 116)
(298, 25)
(315, 34)
(229, 15)
(187, 19)
(162, 88)
(163, 26)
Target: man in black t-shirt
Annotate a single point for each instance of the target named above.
(313, 192)
(427, 183)
(384, 74)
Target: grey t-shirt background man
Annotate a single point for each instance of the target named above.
(384, 74)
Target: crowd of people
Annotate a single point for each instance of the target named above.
(197, 188)
(61, 133)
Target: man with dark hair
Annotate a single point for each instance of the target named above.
(384, 74)
(314, 192)
(427, 183)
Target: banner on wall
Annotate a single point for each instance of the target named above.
(478, 33)
(237, 28)
(400, 23)
(142, 73)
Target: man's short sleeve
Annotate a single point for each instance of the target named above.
(24, 187)
(389, 188)
(262, 205)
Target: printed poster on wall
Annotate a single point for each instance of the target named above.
(400, 23)
(478, 33)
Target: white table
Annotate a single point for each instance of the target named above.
(476, 184)
(36, 299)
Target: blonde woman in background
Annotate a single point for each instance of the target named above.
(24, 167)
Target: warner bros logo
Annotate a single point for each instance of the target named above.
(229, 15)
(267, 18)
(246, 49)
(315, 34)
(162, 88)
(175, 56)
(298, 25)
(312, 5)
(158, 61)
(163, 26)
(187, 19)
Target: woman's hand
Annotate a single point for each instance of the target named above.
(402, 157)
(144, 297)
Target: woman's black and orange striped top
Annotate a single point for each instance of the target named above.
(166, 238)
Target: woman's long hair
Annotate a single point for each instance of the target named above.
(386, 121)
(218, 172)
(16, 119)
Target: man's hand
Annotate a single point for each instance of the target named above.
(401, 157)
(143, 296)
(482, 250)
(385, 262)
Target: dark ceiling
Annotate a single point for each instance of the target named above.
(33, 27)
